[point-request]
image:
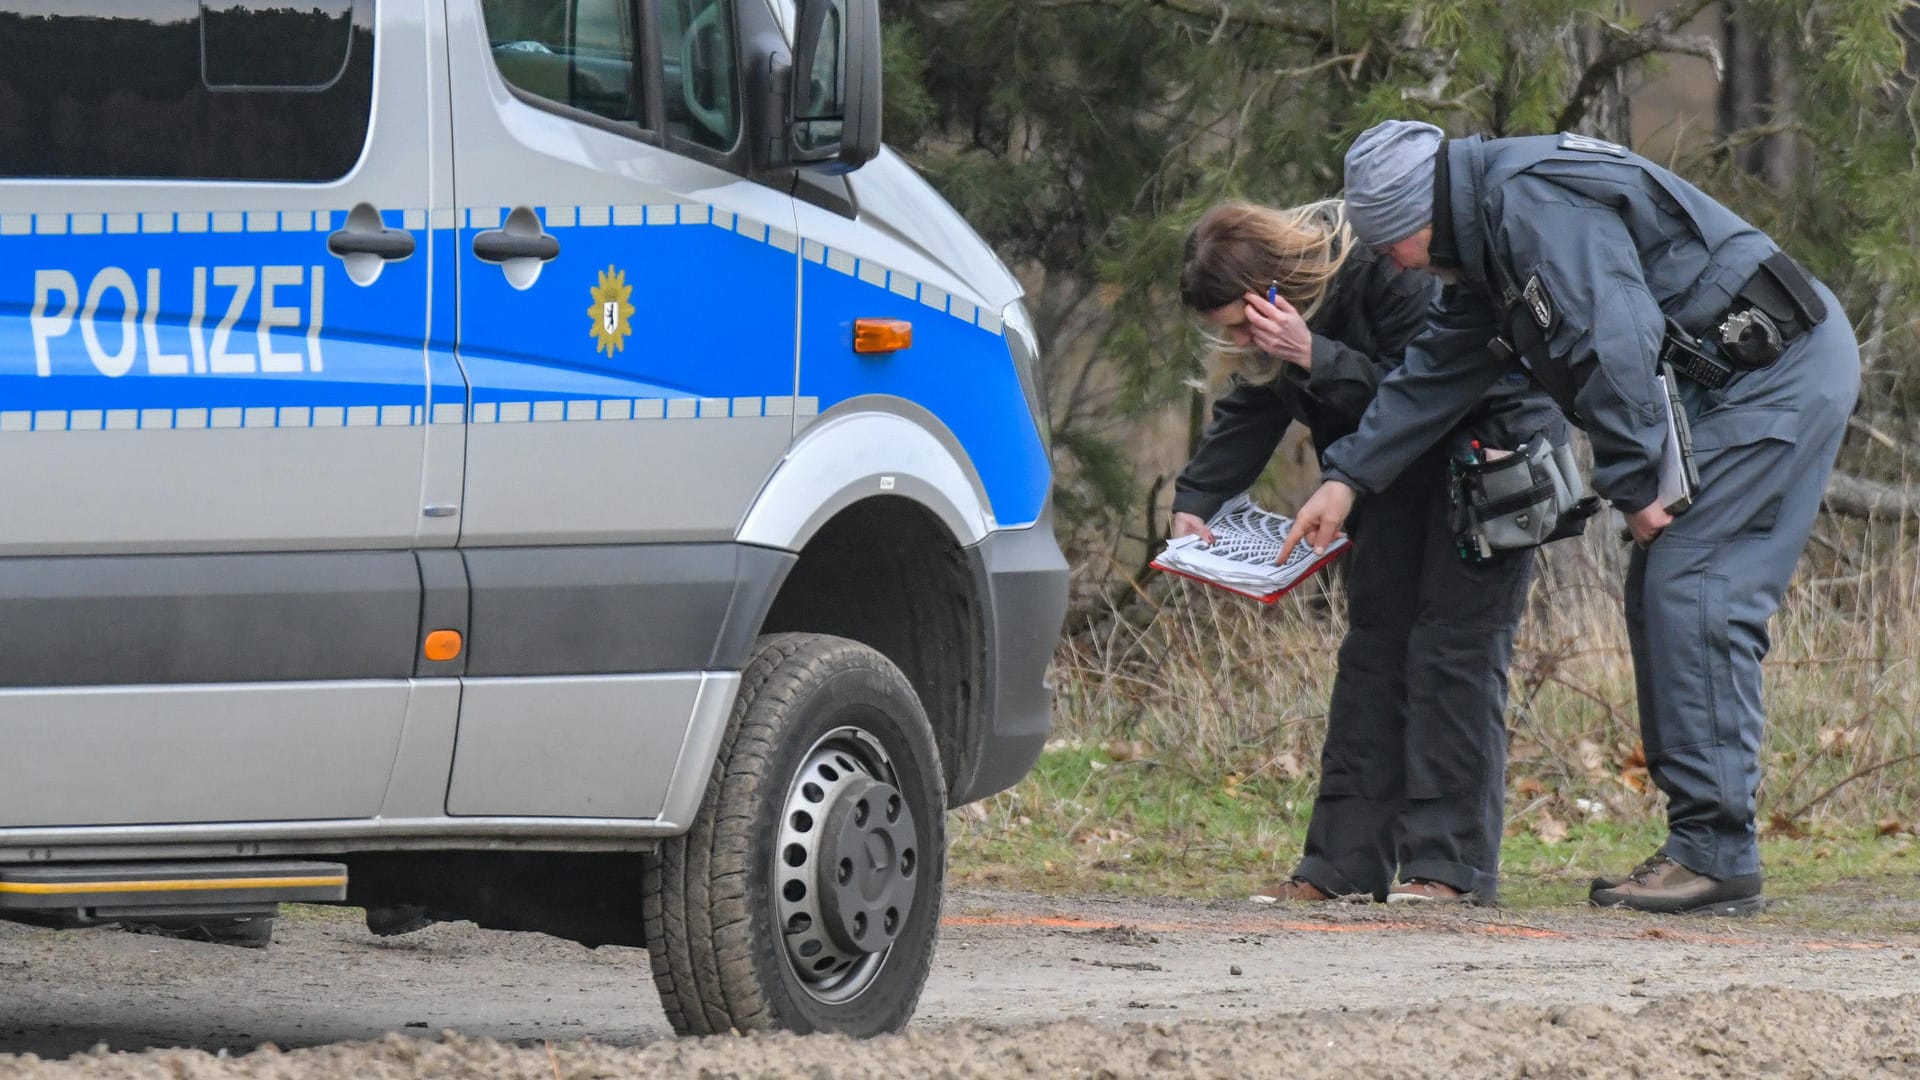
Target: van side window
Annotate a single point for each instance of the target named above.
(700, 74)
(185, 89)
(579, 53)
(271, 44)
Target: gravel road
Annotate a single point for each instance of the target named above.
(1024, 986)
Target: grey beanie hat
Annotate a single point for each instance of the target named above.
(1390, 180)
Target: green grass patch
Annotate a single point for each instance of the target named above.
(1084, 822)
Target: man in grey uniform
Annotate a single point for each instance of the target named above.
(1594, 264)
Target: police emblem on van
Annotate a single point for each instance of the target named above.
(612, 312)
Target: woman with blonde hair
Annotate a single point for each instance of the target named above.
(1413, 770)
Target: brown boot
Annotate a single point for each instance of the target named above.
(1614, 881)
(1291, 891)
(1422, 891)
(1664, 886)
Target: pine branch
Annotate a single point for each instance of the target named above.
(1219, 13)
(1660, 34)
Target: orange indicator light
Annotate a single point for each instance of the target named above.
(443, 645)
(882, 335)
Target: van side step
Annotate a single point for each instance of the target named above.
(79, 894)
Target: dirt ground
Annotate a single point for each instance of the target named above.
(1023, 986)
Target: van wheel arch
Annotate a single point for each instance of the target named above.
(887, 573)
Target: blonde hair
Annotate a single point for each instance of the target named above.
(1240, 247)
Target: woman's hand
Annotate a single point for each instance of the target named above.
(1189, 525)
(1278, 330)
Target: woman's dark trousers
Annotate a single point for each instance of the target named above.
(1413, 774)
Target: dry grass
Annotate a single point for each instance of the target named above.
(1219, 687)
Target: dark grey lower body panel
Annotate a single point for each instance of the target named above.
(114, 620)
(1026, 600)
(628, 609)
(157, 620)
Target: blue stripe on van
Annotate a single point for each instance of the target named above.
(713, 313)
(137, 346)
(705, 327)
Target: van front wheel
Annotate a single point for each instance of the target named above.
(806, 896)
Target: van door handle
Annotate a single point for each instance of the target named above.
(366, 245)
(520, 246)
(500, 245)
(389, 245)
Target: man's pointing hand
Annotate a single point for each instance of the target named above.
(1319, 520)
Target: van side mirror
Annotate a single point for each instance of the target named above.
(834, 116)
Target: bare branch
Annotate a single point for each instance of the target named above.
(1859, 497)
(1866, 428)
(1659, 34)
(1863, 771)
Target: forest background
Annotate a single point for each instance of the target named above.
(1082, 138)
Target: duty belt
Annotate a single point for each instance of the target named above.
(1776, 306)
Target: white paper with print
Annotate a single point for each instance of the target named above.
(1243, 557)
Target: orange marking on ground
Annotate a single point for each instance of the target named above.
(1049, 921)
(1236, 926)
(1495, 930)
(1272, 926)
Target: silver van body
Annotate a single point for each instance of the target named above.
(488, 324)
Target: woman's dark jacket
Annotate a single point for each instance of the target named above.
(1360, 332)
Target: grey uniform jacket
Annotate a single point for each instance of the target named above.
(1599, 247)
(1360, 333)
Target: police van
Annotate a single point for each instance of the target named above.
(540, 461)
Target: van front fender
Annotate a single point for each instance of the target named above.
(854, 455)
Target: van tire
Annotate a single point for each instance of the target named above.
(720, 899)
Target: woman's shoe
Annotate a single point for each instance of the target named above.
(1296, 890)
(1422, 891)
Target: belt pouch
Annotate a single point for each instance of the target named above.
(1504, 504)
(1530, 497)
(1775, 306)
(1782, 289)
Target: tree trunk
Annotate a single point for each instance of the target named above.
(1610, 116)
(1749, 94)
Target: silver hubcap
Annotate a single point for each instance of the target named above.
(846, 865)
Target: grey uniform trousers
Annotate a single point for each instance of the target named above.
(1413, 773)
(1699, 597)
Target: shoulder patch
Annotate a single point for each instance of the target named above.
(1539, 303)
(1575, 141)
